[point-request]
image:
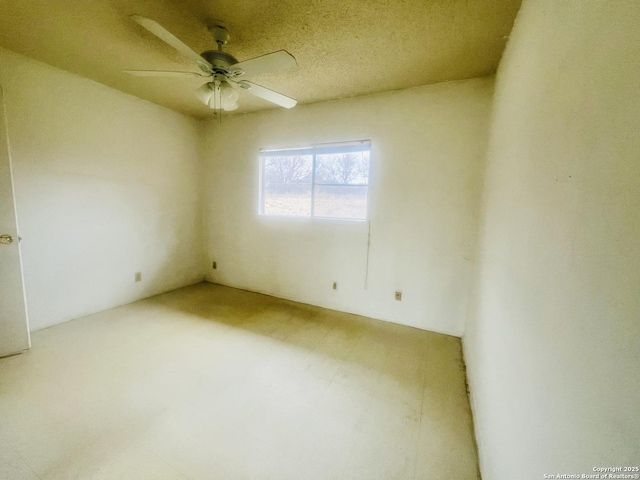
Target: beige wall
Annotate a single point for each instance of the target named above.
(428, 146)
(106, 185)
(553, 347)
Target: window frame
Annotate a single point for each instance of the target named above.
(314, 151)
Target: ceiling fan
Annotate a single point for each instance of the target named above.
(226, 75)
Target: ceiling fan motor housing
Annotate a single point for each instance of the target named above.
(219, 60)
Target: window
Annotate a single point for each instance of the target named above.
(330, 180)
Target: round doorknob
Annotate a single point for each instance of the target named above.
(6, 239)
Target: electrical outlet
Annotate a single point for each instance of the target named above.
(398, 295)
(214, 265)
(335, 285)
(138, 276)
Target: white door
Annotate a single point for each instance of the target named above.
(14, 327)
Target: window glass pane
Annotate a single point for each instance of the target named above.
(335, 177)
(340, 201)
(287, 185)
(350, 168)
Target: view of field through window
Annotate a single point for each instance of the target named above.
(316, 182)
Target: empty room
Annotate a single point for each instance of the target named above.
(347, 240)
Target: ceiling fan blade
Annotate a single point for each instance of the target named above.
(169, 38)
(162, 73)
(271, 62)
(266, 94)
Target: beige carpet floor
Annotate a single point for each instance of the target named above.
(210, 382)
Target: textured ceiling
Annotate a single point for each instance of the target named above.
(343, 47)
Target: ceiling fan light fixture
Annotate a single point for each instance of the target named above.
(228, 97)
(204, 93)
(229, 107)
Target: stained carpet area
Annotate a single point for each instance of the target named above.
(210, 382)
